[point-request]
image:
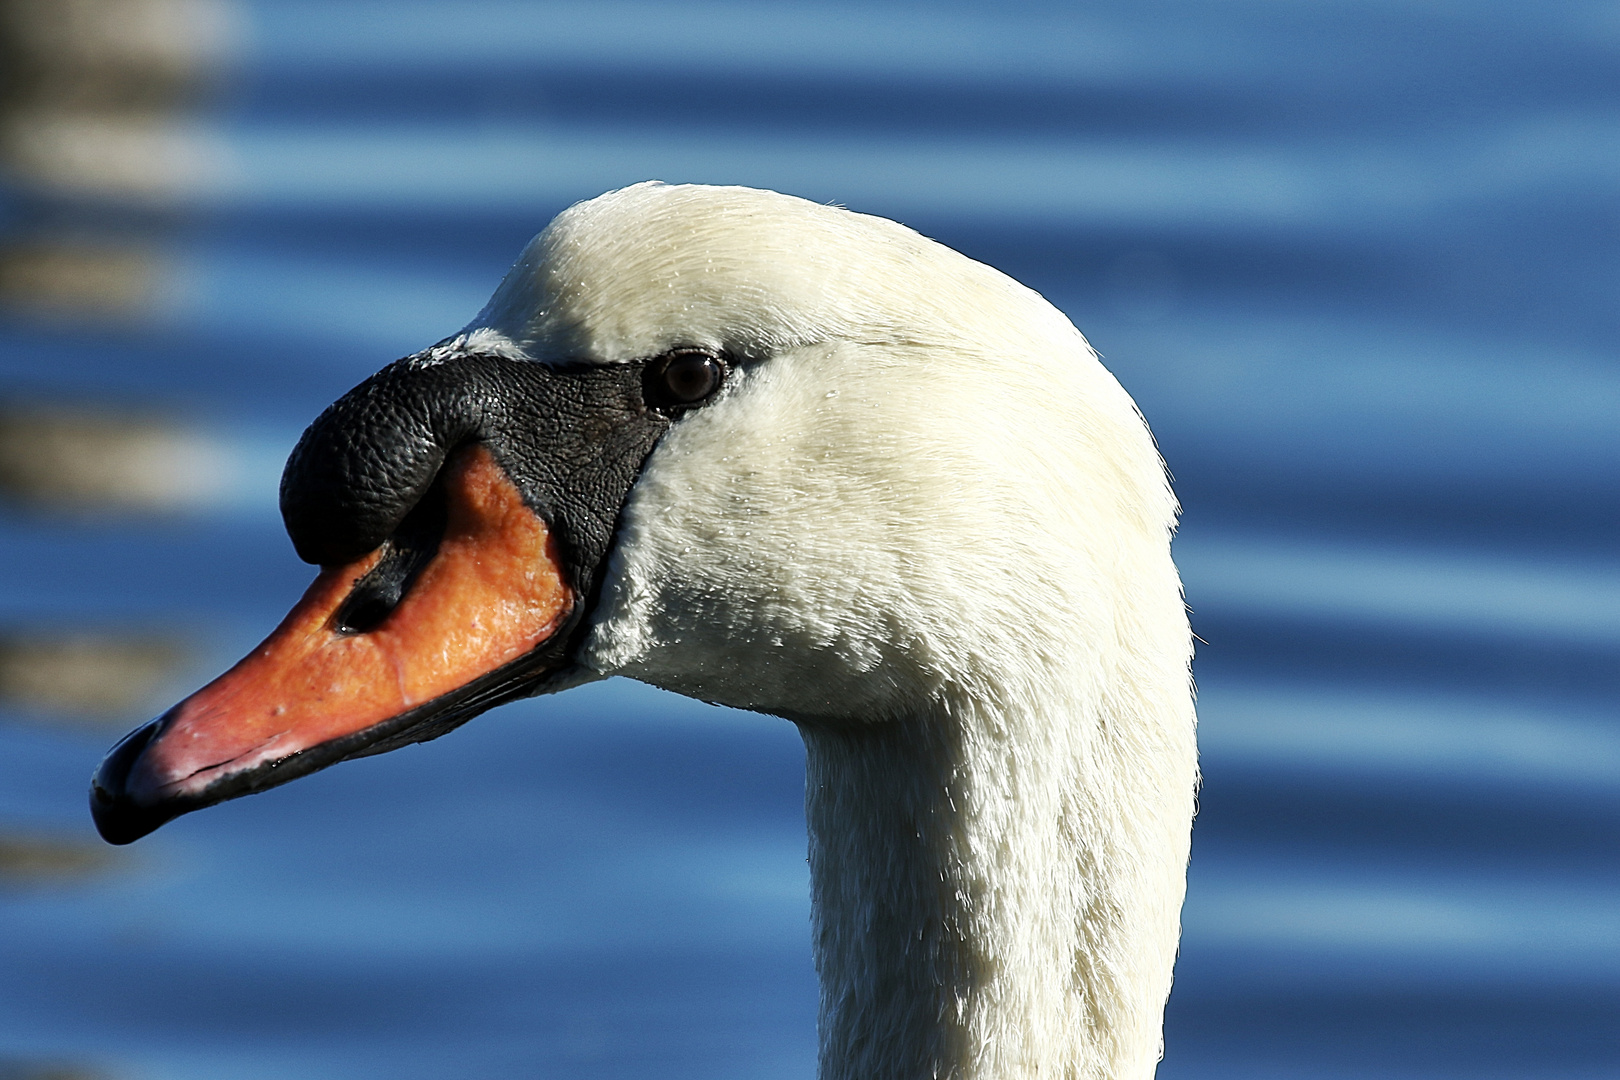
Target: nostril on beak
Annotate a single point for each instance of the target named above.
(405, 556)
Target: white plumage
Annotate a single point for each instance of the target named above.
(924, 523)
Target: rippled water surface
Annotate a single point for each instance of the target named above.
(1357, 262)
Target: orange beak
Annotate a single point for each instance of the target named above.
(469, 631)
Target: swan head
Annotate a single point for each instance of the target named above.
(763, 452)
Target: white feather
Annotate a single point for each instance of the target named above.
(926, 524)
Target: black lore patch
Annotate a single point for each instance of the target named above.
(571, 437)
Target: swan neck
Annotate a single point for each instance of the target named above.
(969, 920)
(889, 950)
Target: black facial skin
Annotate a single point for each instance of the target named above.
(572, 438)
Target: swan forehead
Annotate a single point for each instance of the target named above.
(637, 271)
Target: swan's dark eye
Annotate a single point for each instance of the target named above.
(682, 379)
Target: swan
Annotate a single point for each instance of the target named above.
(788, 458)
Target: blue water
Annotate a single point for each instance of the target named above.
(1359, 263)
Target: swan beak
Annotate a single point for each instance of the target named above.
(467, 629)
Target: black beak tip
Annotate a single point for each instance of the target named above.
(118, 817)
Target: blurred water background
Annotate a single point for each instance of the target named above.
(1356, 260)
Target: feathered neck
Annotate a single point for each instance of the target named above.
(997, 888)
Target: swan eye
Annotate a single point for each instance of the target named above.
(682, 379)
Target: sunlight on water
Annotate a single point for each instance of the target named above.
(1458, 738)
(1433, 591)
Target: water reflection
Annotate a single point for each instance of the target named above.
(25, 1070)
(96, 92)
(61, 277)
(105, 679)
(34, 860)
(85, 459)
